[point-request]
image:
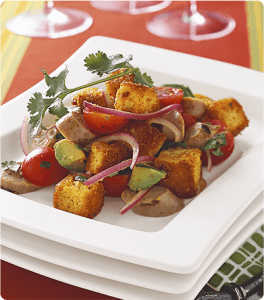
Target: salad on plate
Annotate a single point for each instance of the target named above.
(144, 143)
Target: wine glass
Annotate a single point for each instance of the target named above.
(50, 22)
(191, 24)
(130, 7)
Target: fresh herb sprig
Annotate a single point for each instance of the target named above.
(218, 141)
(99, 64)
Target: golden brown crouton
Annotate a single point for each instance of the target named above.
(93, 95)
(77, 198)
(149, 138)
(104, 155)
(229, 111)
(183, 167)
(136, 98)
(113, 85)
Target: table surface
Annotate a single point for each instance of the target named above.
(21, 58)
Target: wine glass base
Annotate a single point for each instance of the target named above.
(58, 23)
(205, 25)
(130, 7)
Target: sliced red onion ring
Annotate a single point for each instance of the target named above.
(125, 137)
(24, 136)
(169, 125)
(107, 99)
(116, 168)
(139, 196)
(209, 158)
(129, 115)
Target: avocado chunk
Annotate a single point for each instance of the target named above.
(70, 156)
(144, 176)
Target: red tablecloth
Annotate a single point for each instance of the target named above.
(17, 283)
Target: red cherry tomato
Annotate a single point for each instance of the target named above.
(189, 120)
(226, 150)
(115, 185)
(168, 96)
(102, 123)
(40, 167)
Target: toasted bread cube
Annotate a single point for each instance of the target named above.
(113, 85)
(93, 95)
(136, 98)
(77, 198)
(229, 111)
(104, 155)
(149, 138)
(183, 167)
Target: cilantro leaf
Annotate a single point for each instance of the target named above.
(11, 165)
(142, 78)
(58, 109)
(216, 142)
(36, 108)
(45, 164)
(56, 84)
(100, 63)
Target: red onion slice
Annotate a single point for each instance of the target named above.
(116, 168)
(129, 115)
(24, 136)
(139, 196)
(169, 125)
(125, 137)
(107, 99)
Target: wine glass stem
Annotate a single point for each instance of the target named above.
(48, 5)
(193, 7)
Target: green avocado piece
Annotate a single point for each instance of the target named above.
(144, 176)
(70, 156)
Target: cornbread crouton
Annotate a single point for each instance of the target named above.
(136, 98)
(77, 198)
(113, 85)
(183, 167)
(149, 138)
(229, 111)
(104, 155)
(93, 95)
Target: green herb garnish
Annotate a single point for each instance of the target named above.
(80, 178)
(45, 164)
(186, 90)
(218, 141)
(11, 165)
(98, 63)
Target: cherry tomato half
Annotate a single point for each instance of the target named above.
(40, 167)
(115, 185)
(226, 150)
(102, 123)
(168, 96)
(189, 120)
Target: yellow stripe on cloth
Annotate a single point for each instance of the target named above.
(13, 47)
(255, 25)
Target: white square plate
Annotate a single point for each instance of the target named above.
(179, 243)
